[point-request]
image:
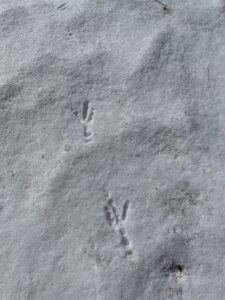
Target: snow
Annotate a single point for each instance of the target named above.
(112, 150)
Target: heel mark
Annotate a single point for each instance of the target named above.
(128, 252)
(87, 134)
(125, 241)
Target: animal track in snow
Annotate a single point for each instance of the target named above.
(117, 222)
(87, 121)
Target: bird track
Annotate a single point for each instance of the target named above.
(87, 120)
(117, 222)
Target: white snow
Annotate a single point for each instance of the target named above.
(104, 102)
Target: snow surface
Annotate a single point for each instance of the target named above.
(112, 150)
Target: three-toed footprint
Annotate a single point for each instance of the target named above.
(117, 222)
(87, 120)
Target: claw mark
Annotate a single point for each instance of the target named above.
(113, 218)
(62, 6)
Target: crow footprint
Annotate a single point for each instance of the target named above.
(117, 222)
(87, 121)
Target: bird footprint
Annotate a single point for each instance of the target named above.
(87, 121)
(117, 222)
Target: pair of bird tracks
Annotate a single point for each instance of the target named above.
(87, 120)
(117, 221)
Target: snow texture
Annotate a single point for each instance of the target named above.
(112, 144)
